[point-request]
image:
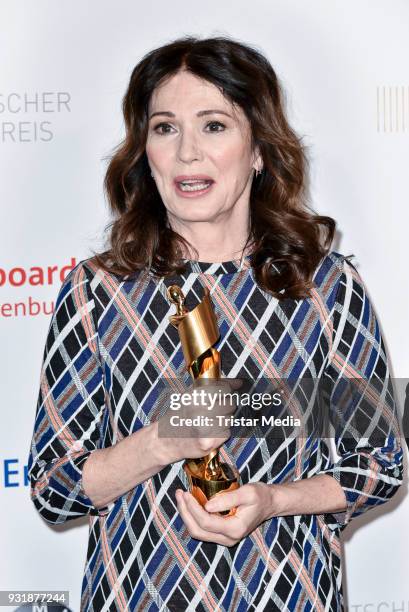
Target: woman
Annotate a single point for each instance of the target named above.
(208, 190)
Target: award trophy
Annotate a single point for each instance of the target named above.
(198, 331)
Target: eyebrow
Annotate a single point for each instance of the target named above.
(198, 114)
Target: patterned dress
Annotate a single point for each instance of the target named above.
(110, 343)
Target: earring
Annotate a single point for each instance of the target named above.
(152, 175)
(259, 171)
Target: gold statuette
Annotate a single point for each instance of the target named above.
(198, 331)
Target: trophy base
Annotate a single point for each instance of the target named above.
(204, 489)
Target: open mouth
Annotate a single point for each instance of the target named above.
(194, 185)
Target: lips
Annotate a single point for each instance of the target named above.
(193, 185)
(184, 178)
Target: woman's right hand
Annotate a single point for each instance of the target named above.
(187, 441)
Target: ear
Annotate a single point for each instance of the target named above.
(257, 160)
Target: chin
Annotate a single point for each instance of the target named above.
(194, 212)
(195, 219)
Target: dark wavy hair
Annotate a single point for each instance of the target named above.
(287, 239)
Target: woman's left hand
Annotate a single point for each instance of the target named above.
(254, 502)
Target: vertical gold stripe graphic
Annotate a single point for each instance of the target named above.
(407, 103)
(377, 110)
(384, 109)
(392, 108)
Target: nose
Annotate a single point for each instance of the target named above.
(189, 147)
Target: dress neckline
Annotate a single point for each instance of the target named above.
(218, 268)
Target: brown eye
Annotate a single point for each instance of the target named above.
(216, 124)
(159, 126)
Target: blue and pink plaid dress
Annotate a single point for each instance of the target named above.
(110, 343)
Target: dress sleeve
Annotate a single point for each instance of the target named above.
(360, 403)
(70, 407)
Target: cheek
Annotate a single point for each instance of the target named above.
(158, 156)
(232, 156)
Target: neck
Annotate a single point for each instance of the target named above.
(214, 243)
(217, 252)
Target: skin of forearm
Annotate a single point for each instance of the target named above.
(315, 495)
(110, 472)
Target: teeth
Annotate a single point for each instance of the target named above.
(194, 186)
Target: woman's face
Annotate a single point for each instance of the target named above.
(199, 150)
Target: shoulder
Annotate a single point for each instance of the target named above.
(89, 283)
(334, 271)
(88, 271)
(78, 282)
(75, 276)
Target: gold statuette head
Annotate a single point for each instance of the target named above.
(176, 297)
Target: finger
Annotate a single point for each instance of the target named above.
(223, 501)
(214, 384)
(228, 526)
(205, 383)
(211, 522)
(214, 432)
(236, 383)
(220, 436)
(224, 409)
(196, 531)
(178, 495)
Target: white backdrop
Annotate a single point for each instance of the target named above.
(64, 69)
